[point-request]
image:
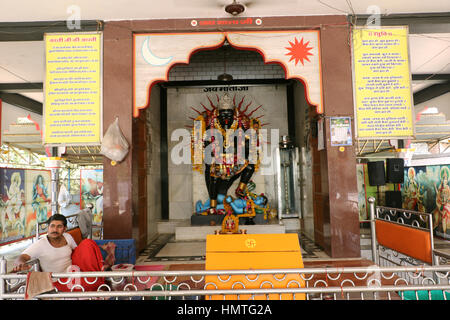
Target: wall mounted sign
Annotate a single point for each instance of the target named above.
(226, 22)
(341, 131)
(298, 52)
(382, 83)
(72, 89)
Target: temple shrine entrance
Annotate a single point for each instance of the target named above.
(281, 185)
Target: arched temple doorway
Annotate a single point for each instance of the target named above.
(336, 227)
(259, 88)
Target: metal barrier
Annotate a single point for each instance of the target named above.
(355, 283)
(390, 257)
(413, 219)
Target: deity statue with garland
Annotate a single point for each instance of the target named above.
(237, 157)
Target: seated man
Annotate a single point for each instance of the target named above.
(57, 252)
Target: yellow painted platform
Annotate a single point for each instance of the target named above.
(254, 251)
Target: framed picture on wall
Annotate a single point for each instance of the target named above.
(341, 131)
(91, 192)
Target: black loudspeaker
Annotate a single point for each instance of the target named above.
(393, 199)
(376, 173)
(394, 170)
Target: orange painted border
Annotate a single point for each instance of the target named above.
(136, 109)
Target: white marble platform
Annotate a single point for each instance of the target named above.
(186, 233)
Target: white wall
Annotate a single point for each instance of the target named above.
(154, 168)
(10, 114)
(442, 103)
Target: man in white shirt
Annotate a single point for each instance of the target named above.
(54, 251)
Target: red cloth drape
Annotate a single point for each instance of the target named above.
(86, 257)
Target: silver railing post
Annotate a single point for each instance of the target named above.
(373, 230)
(2, 273)
(55, 177)
(434, 259)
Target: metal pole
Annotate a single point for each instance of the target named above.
(2, 272)
(54, 172)
(373, 229)
(434, 258)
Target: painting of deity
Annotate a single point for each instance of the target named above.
(441, 213)
(91, 192)
(427, 189)
(12, 204)
(38, 197)
(414, 188)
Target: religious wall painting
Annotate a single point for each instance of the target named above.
(38, 198)
(427, 189)
(441, 212)
(91, 192)
(414, 189)
(12, 204)
(24, 197)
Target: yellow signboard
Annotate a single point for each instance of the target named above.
(382, 83)
(72, 90)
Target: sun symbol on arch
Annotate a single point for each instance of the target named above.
(299, 51)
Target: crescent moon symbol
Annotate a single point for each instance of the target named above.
(150, 58)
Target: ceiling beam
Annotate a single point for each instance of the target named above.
(21, 87)
(429, 76)
(34, 31)
(431, 92)
(417, 23)
(21, 101)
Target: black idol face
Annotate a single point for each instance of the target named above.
(226, 118)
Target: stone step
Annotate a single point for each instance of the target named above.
(291, 224)
(185, 233)
(169, 226)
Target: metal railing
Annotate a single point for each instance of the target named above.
(72, 223)
(355, 283)
(389, 257)
(41, 227)
(413, 219)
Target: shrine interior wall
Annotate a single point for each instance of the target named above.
(154, 163)
(302, 141)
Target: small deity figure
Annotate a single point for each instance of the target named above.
(241, 205)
